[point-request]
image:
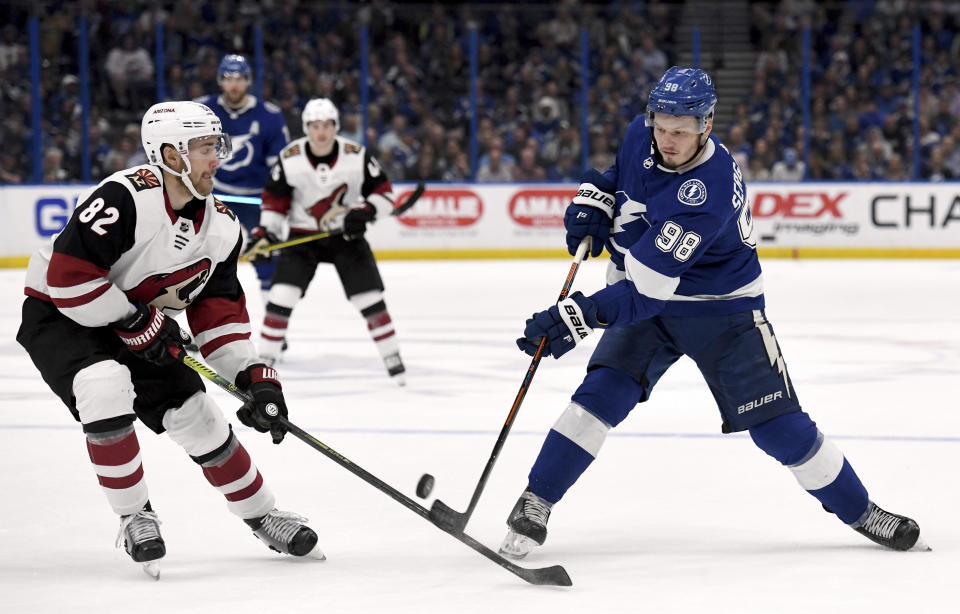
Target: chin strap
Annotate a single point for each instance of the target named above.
(184, 176)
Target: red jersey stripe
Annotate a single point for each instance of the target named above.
(126, 482)
(249, 491)
(65, 271)
(232, 469)
(83, 299)
(115, 453)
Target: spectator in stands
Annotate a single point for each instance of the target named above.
(936, 169)
(53, 171)
(567, 169)
(12, 51)
(567, 140)
(528, 169)
(9, 168)
(459, 171)
(130, 69)
(495, 169)
(790, 168)
(756, 171)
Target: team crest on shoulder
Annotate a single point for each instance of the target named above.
(648, 163)
(692, 192)
(143, 179)
(222, 208)
(351, 148)
(293, 150)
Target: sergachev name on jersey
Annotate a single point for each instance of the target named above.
(759, 402)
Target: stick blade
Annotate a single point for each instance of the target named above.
(546, 576)
(446, 518)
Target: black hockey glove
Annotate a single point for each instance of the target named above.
(590, 213)
(256, 248)
(267, 406)
(148, 332)
(564, 325)
(356, 220)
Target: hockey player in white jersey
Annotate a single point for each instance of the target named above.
(98, 322)
(683, 279)
(324, 182)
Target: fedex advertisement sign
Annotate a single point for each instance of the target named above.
(801, 212)
(798, 204)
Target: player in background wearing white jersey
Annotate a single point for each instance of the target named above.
(258, 132)
(684, 279)
(147, 243)
(322, 183)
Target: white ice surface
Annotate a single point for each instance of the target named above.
(673, 517)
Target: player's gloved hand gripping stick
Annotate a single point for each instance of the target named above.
(554, 576)
(442, 514)
(262, 250)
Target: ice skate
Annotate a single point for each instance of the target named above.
(528, 526)
(891, 530)
(395, 368)
(285, 532)
(139, 534)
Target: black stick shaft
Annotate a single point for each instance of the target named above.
(555, 575)
(527, 379)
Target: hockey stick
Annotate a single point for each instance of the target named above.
(407, 204)
(442, 514)
(555, 575)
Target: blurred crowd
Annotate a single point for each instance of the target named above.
(862, 105)
(529, 111)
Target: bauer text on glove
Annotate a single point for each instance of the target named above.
(564, 325)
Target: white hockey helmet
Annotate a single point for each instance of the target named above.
(177, 124)
(320, 109)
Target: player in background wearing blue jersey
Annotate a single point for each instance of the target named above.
(258, 133)
(683, 279)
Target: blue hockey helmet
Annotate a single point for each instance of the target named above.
(233, 64)
(683, 92)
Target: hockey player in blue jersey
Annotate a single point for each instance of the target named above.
(683, 279)
(258, 132)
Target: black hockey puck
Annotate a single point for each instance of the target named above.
(425, 486)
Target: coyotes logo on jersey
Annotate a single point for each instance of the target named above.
(143, 179)
(330, 207)
(175, 290)
(222, 208)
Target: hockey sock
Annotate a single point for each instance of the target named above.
(817, 464)
(231, 471)
(570, 447)
(115, 454)
(381, 328)
(274, 330)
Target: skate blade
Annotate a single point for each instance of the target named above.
(921, 546)
(316, 554)
(516, 546)
(152, 569)
(400, 380)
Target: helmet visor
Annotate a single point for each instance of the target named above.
(214, 146)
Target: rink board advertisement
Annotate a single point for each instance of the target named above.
(515, 220)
